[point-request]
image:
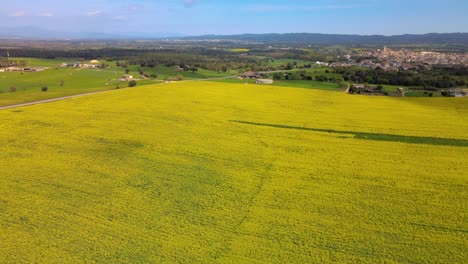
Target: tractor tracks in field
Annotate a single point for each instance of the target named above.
(257, 189)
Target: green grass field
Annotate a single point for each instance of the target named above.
(203, 172)
(165, 72)
(289, 84)
(37, 62)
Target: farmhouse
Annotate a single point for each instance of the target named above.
(319, 63)
(13, 68)
(34, 69)
(456, 93)
(71, 64)
(251, 75)
(89, 66)
(126, 78)
(264, 81)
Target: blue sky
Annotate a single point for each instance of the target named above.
(195, 17)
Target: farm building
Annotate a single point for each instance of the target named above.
(13, 68)
(264, 81)
(126, 78)
(251, 75)
(320, 63)
(89, 66)
(71, 64)
(456, 93)
(34, 69)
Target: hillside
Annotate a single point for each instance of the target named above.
(331, 39)
(233, 173)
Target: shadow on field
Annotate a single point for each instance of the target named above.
(373, 136)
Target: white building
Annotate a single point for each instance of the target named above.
(264, 81)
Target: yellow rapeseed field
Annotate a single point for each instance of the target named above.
(209, 172)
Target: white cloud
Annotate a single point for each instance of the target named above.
(19, 13)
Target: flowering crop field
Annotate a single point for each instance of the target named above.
(213, 172)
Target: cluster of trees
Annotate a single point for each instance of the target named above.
(189, 61)
(437, 77)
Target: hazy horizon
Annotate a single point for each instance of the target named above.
(206, 17)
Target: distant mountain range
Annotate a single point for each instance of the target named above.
(329, 39)
(287, 39)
